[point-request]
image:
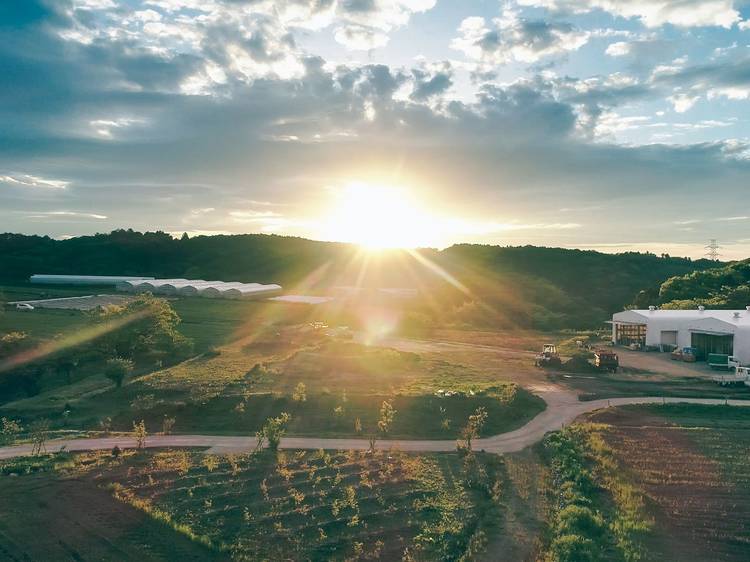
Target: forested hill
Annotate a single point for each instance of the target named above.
(722, 287)
(538, 286)
(562, 287)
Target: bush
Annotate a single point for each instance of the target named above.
(579, 520)
(117, 369)
(572, 548)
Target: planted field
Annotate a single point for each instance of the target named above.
(280, 506)
(690, 462)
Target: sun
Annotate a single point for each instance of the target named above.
(378, 217)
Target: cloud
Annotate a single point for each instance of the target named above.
(683, 102)
(723, 78)
(653, 13)
(366, 24)
(512, 38)
(27, 180)
(72, 214)
(431, 82)
(214, 107)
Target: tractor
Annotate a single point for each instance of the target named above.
(548, 358)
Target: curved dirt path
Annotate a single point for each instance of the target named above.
(563, 407)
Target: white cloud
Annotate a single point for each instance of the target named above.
(106, 127)
(731, 92)
(653, 13)
(511, 38)
(72, 214)
(27, 180)
(683, 102)
(360, 38)
(619, 49)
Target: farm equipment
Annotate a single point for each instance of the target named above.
(606, 360)
(549, 357)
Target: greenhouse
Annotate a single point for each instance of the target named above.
(199, 288)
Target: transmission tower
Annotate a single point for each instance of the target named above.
(712, 250)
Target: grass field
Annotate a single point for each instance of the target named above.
(235, 391)
(605, 385)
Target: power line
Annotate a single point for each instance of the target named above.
(713, 250)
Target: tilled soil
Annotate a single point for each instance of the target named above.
(699, 500)
(82, 522)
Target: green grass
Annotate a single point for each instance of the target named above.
(595, 386)
(227, 394)
(42, 323)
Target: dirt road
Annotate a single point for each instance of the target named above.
(563, 407)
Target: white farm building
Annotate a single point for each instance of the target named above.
(709, 331)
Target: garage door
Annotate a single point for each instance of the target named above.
(669, 337)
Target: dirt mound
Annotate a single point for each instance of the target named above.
(579, 364)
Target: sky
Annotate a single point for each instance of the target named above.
(613, 125)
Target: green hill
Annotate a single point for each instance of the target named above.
(720, 287)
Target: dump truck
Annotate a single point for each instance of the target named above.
(606, 360)
(548, 357)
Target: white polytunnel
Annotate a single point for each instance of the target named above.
(45, 279)
(199, 288)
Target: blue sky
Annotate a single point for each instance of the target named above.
(607, 124)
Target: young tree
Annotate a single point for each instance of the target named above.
(474, 427)
(105, 424)
(272, 432)
(8, 430)
(117, 369)
(167, 424)
(39, 435)
(387, 415)
(139, 432)
(300, 393)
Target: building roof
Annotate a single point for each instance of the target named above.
(731, 317)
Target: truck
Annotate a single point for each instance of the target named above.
(606, 360)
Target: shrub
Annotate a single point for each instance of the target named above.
(117, 369)
(572, 548)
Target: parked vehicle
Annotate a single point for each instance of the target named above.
(606, 360)
(549, 357)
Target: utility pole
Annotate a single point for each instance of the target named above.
(712, 250)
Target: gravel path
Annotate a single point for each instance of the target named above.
(563, 407)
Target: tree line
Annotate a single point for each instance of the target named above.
(117, 339)
(476, 285)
